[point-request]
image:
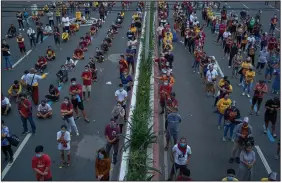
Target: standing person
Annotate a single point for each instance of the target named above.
(86, 76)
(272, 106)
(25, 16)
(32, 82)
(31, 35)
(75, 91)
(248, 81)
(184, 174)
(66, 22)
(41, 164)
(5, 48)
(50, 16)
(211, 76)
(233, 52)
(20, 20)
(112, 133)
(5, 144)
(173, 120)
(25, 111)
(236, 63)
(102, 12)
(181, 154)
(222, 105)
(39, 29)
(271, 64)
(57, 36)
(276, 82)
(20, 41)
(231, 114)
(67, 115)
(118, 114)
(247, 161)
(121, 97)
(64, 138)
(263, 55)
(102, 165)
(260, 89)
(58, 16)
(242, 131)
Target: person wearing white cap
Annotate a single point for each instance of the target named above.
(242, 131)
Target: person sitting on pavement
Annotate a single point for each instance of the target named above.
(242, 132)
(93, 30)
(119, 19)
(69, 64)
(78, 54)
(15, 90)
(99, 55)
(83, 44)
(105, 46)
(47, 30)
(133, 29)
(271, 177)
(5, 105)
(54, 94)
(12, 31)
(41, 64)
(44, 110)
(230, 175)
(88, 39)
(62, 75)
(109, 40)
(65, 36)
(50, 54)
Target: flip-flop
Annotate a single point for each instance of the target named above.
(166, 148)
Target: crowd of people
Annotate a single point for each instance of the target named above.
(28, 85)
(240, 39)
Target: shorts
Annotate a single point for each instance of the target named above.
(67, 28)
(175, 167)
(65, 151)
(209, 86)
(22, 49)
(256, 100)
(269, 71)
(77, 104)
(270, 118)
(86, 88)
(260, 65)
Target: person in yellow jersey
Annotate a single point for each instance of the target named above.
(271, 177)
(133, 29)
(58, 16)
(135, 15)
(230, 175)
(222, 105)
(223, 86)
(248, 81)
(244, 67)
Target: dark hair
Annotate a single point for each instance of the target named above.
(39, 149)
(67, 98)
(231, 171)
(120, 85)
(64, 126)
(16, 82)
(103, 151)
(22, 95)
(51, 86)
(73, 79)
(26, 72)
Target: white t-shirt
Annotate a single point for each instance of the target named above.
(133, 44)
(66, 21)
(67, 137)
(251, 39)
(215, 66)
(211, 75)
(69, 62)
(121, 95)
(44, 109)
(226, 34)
(29, 78)
(5, 102)
(191, 18)
(24, 78)
(160, 29)
(179, 157)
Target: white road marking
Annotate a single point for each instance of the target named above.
(266, 165)
(277, 29)
(246, 6)
(21, 59)
(165, 154)
(270, 6)
(17, 153)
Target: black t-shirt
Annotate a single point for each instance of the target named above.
(275, 104)
(5, 53)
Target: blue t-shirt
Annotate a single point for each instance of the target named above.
(125, 80)
(5, 131)
(129, 58)
(173, 120)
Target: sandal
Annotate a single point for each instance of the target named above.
(77, 117)
(166, 148)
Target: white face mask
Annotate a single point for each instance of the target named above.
(66, 102)
(73, 83)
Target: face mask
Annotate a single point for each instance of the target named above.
(73, 83)
(62, 69)
(63, 131)
(86, 70)
(230, 178)
(165, 84)
(38, 155)
(182, 144)
(66, 102)
(101, 156)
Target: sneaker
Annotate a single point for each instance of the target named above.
(11, 160)
(251, 112)
(264, 131)
(229, 67)
(274, 135)
(77, 134)
(243, 93)
(248, 95)
(232, 140)
(240, 84)
(23, 29)
(231, 160)
(257, 113)
(218, 127)
(223, 139)
(20, 29)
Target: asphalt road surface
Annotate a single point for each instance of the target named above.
(210, 155)
(98, 109)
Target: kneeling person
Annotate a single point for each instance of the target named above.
(44, 110)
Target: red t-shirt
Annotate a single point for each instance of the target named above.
(260, 87)
(88, 75)
(76, 87)
(42, 61)
(41, 164)
(67, 107)
(165, 91)
(222, 28)
(112, 132)
(25, 111)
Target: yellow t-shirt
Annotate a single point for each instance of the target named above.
(245, 65)
(58, 13)
(221, 83)
(223, 104)
(169, 37)
(249, 76)
(133, 29)
(134, 17)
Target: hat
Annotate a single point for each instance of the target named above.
(246, 119)
(273, 176)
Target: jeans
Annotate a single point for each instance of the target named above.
(32, 124)
(70, 123)
(230, 127)
(196, 66)
(40, 33)
(220, 116)
(247, 86)
(115, 148)
(7, 151)
(8, 62)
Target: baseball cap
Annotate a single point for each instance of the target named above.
(246, 119)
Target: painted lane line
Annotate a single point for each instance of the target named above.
(246, 6)
(21, 59)
(270, 6)
(266, 165)
(277, 29)
(17, 153)
(60, 87)
(165, 154)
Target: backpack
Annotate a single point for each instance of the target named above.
(13, 140)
